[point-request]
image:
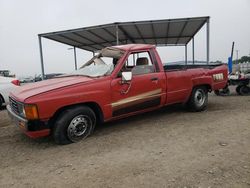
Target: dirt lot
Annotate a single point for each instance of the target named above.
(166, 148)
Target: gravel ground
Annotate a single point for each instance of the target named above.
(166, 148)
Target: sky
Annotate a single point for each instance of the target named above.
(21, 22)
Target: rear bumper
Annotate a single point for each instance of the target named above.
(33, 129)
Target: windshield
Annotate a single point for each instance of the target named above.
(100, 65)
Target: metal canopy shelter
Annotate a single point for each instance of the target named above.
(168, 32)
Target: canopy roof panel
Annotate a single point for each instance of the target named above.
(168, 32)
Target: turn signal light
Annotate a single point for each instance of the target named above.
(31, 112)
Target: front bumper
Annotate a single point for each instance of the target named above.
(33, 129)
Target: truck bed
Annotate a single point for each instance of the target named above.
(189, 66)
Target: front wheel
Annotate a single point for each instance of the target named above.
(1, 101)
(198, 99)
(74, 124)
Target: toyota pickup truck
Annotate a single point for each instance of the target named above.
(118, 82)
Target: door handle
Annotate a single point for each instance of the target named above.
(154, 79)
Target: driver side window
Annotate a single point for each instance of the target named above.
(139, 63)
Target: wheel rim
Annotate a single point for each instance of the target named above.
(79, 128)
(199, 97)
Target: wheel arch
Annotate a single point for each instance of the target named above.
(191, 99)
(206, 85)
(93, 105)
(1, 97)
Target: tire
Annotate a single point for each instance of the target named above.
(238, 89)
(217, 92)
(244, 90)
(225, 91)
(1, 101)
(198, 99)
(73, 125)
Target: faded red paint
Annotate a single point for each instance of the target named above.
(175, 86)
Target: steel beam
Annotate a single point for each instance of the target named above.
(153, 31)
(110, 33)
(166, 40)
(140, 34)
(193, 49)
(182, 30)
(185, 54)
(208, 40)
(117, 35)
(41, 55)
(75, 58)
(100, 37)
(126, 34)
(85, 38)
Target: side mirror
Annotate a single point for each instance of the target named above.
(126, 77)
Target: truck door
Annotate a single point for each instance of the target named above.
(144, 91)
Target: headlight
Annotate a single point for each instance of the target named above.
(30, 111)
(21, 109)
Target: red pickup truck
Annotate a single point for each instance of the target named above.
(118, 82)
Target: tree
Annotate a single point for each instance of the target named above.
(243, 59)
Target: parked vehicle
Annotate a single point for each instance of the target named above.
(26, 79)
(7, 85)
(120, 81)
(46, 76)
(240, 80)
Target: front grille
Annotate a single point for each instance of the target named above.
(14, 106)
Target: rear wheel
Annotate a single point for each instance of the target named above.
(222, 92)
(244, 90)
(217, 92)
(198, 99)
(225, 91)
(238, 89)
(74, 124)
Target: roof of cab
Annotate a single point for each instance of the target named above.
(131, 47)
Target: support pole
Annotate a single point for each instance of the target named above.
(117, 35)
(185, 54)
(41, 56)
(208, 28)
(193, 49)
(75, 58)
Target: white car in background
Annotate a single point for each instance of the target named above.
(6, 86)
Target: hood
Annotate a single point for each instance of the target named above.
(33, 89)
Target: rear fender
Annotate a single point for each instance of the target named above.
(201, 81)
(205, 80)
